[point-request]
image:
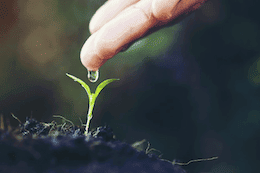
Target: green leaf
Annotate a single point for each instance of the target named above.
(83, 84)
(102, 85)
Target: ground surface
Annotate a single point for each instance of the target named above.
(50, 148)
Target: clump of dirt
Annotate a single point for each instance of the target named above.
(50, 148)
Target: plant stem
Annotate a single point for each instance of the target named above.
(87, 125)
(90, 110)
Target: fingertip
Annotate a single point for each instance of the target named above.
(93, 25)
(98, 19)
(91, 28)
(88, 56)
(162, 9)
(101, 17)
(108, 11)
(92, 62)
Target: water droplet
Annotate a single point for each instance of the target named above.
(93, 76)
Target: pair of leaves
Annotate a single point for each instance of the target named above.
(86, 87)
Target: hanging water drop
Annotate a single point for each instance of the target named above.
(93, 76)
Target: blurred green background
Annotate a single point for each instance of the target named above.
(192, 89)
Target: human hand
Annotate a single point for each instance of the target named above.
(119, 22)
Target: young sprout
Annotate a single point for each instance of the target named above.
(92, 96)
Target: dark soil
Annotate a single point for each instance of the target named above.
(49, 148)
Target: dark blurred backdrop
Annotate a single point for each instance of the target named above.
(192, 89)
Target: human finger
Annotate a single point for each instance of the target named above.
(88, 56)
(175, 13)
(162, 9)
(171, 9)
(107, 12)
(130, 24)
(127, 26)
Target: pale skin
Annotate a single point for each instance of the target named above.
(120, 22)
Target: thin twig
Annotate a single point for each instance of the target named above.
(152, 149)
(197, 160)
(16, 118)
(81, 122)
(63, 118)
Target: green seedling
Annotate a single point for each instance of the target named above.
(92, 96)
